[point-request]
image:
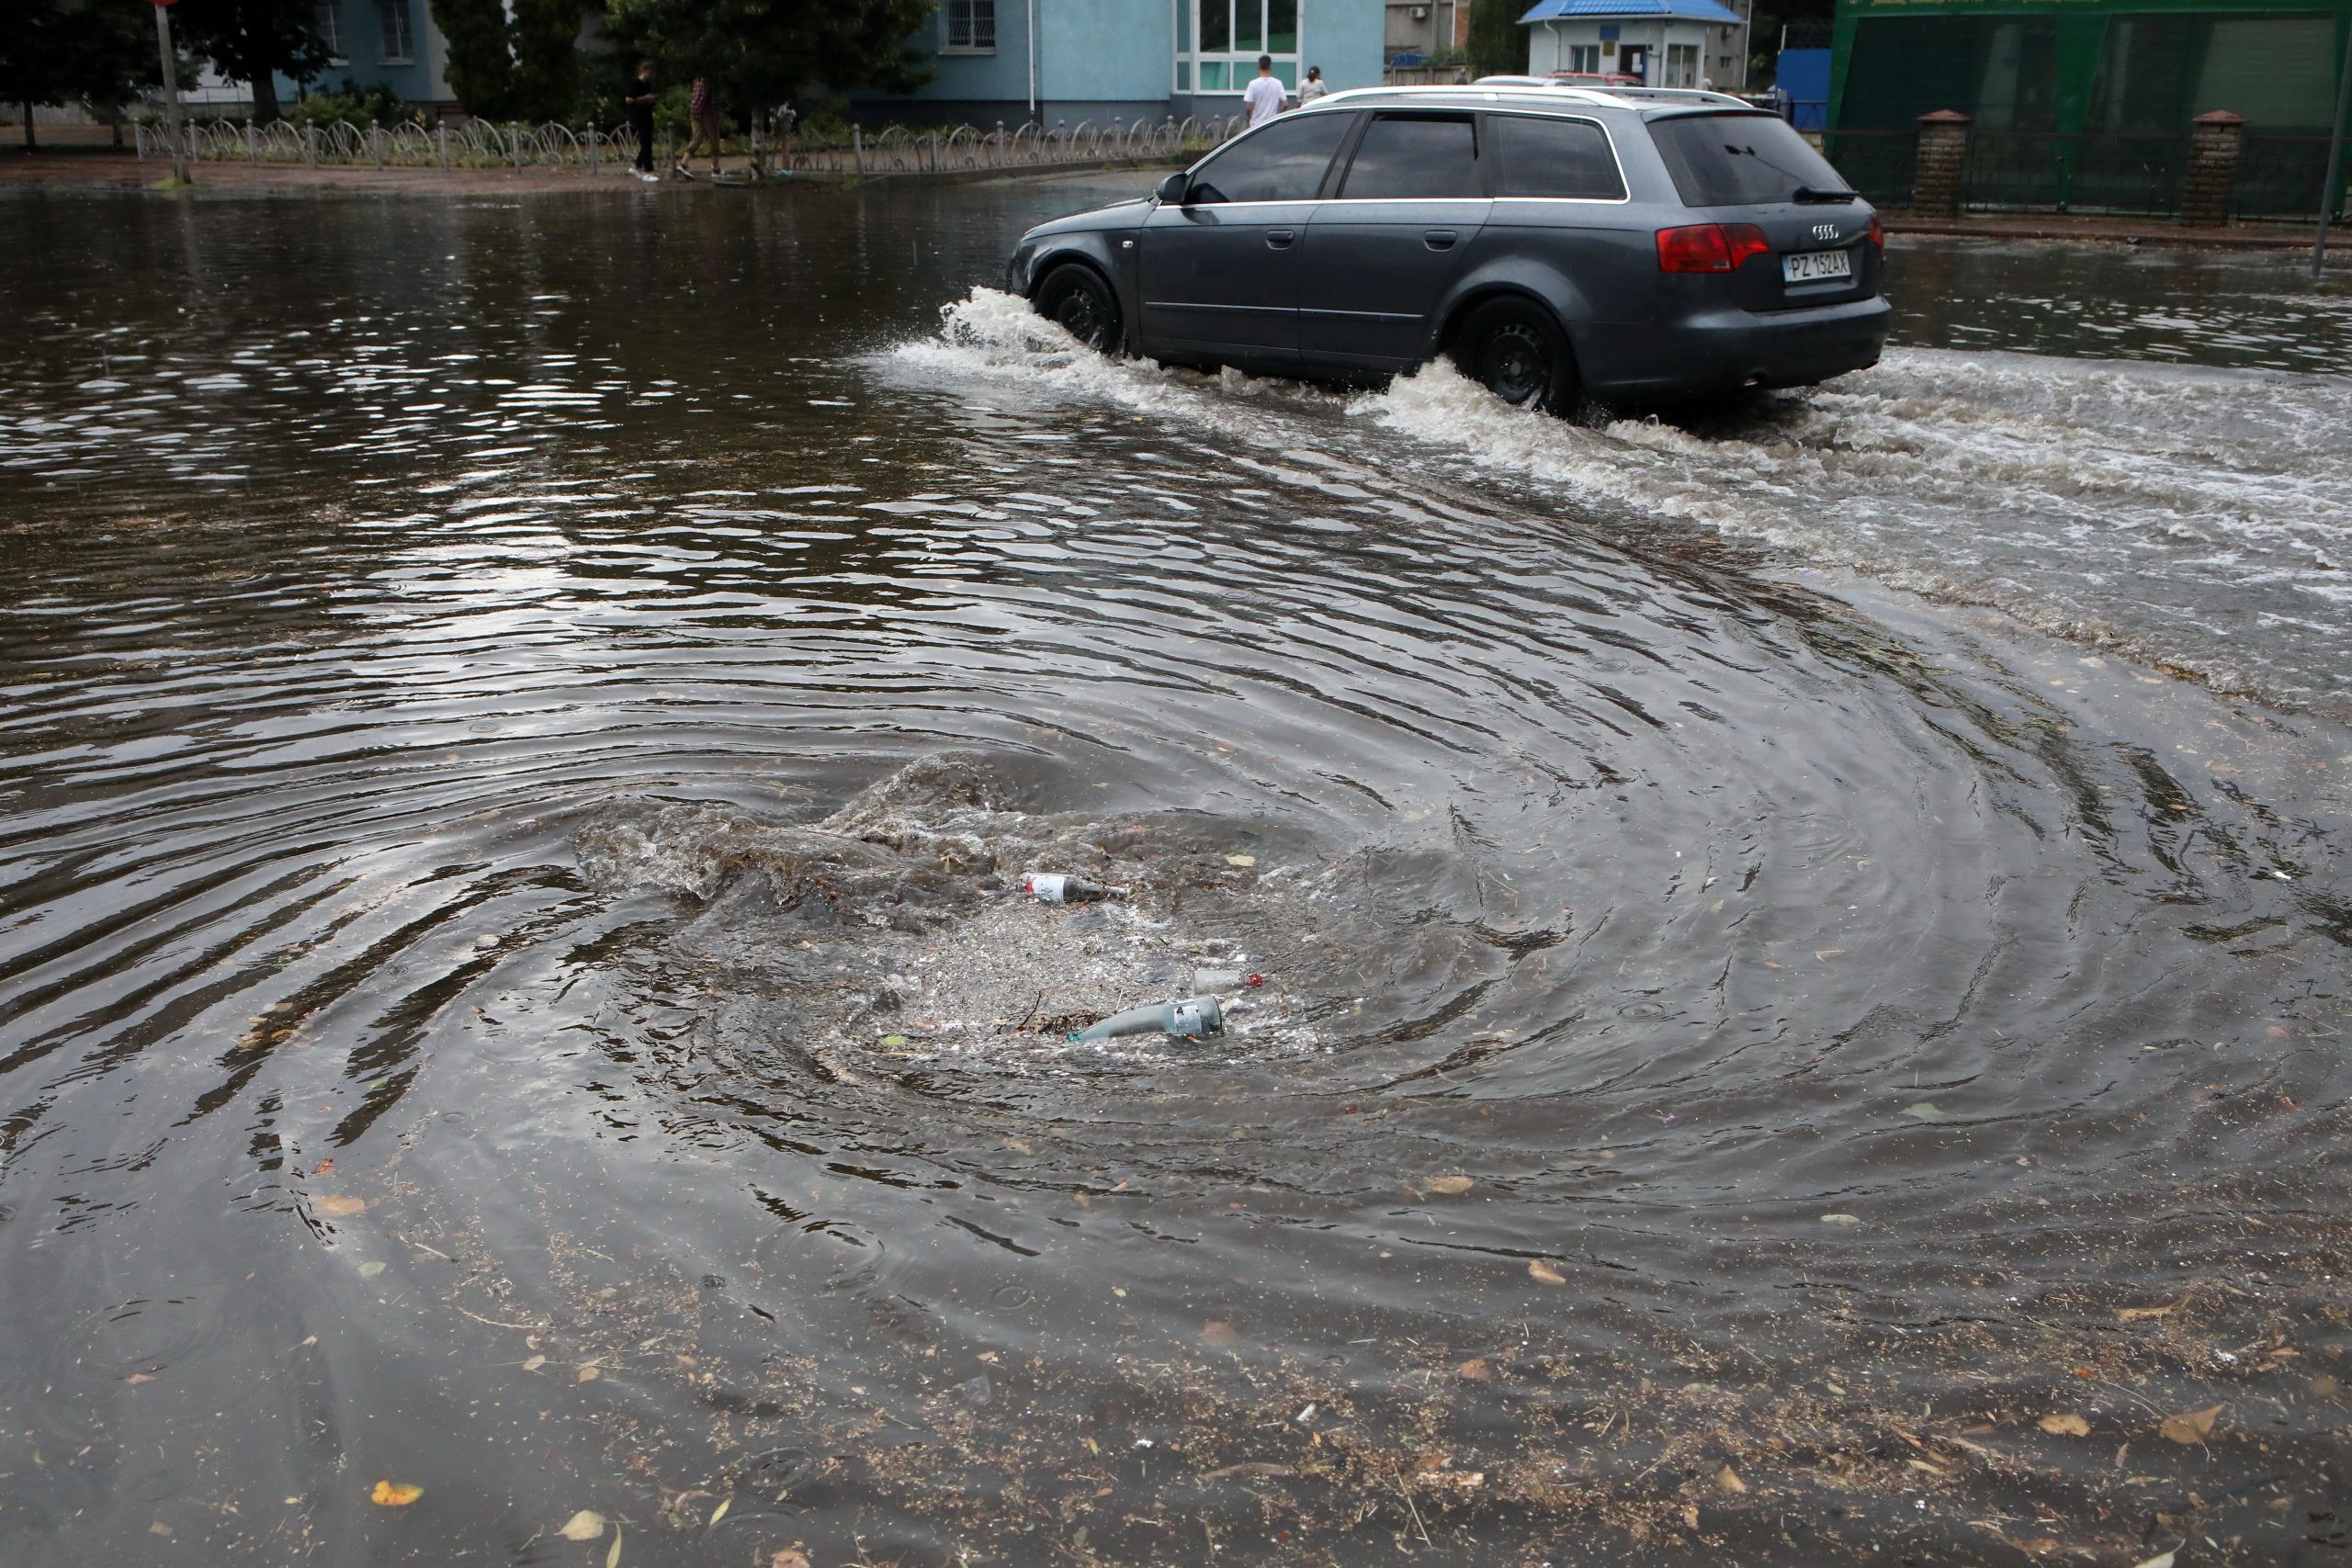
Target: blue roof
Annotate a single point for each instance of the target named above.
(1689, 10)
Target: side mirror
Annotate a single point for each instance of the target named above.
(1173, 189)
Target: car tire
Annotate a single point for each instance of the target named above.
(1075, 296)
(1514, 349)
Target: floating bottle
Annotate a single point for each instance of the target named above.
(1198, 1018)
(1209, 982)
(1053, 888)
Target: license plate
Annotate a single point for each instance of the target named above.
(1817, 266)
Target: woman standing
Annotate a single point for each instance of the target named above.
(1313, 88)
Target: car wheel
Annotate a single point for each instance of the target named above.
(1517, 351)
(1077, 298)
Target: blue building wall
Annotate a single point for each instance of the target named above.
(361, 33)
(1104, 60)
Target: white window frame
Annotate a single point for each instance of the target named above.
(973, 9)
(326, 20)
(1682, 60)
(1242, 64)
(386, 10)
(1585, 58)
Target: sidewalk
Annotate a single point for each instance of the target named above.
(2159, 232)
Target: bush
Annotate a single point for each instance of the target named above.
(358, 107)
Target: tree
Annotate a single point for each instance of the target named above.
(1497, 43)
(509, 63)
(763, 52)
(254, 42)
(60, 51)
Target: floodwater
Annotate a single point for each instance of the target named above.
(1804, 950)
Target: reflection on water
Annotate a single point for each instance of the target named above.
(515, 984)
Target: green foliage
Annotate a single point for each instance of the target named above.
(525, 66)
(670, 112)
(254, 42)
(60, 51)
(360, 107)
(767, 52)
(1497, 43)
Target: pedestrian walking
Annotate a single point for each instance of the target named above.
(1264, 98)
(702, 115)
(1313, 88)
(638, 100)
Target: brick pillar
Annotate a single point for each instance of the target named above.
(2209, 185)
(1942, 163)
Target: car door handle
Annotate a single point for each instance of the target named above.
(1280, 239)
(1439, 239)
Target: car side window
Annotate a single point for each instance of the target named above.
(1282, 162)
(1405, 157)
(1562, 159)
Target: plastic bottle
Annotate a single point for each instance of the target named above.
(1200, 1018)
(1208, 982)
(1053, 887)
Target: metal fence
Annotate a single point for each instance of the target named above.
(2279, 176)
(2091, 173)
(1881, 165)
(479, 145)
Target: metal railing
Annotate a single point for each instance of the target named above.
(2279, 176)
(480, 144)
(2138, 175)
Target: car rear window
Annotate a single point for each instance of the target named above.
(1564, 158)
(1408, 157)
(1282, 162)
(1740, 160)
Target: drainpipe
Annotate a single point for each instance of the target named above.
(1032, 59)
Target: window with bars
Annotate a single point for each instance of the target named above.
(399, 46)
(969, 27)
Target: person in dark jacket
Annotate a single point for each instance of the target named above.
(638, 100)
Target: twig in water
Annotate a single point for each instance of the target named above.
(1416, 1507)
(493, 1321)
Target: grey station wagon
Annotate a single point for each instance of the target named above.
(1626, 244)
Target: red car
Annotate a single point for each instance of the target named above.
(1594, 79)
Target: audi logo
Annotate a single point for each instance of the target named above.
(1824, 230)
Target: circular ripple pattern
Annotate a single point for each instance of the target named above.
(533, 920)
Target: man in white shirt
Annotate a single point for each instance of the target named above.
(1264, 98)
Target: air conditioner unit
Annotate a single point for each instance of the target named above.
(1420, 13)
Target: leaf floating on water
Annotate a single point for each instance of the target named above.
(336, 1206)
(1218, 1332)
(370, 1269)
(894, 1040)
(585, 1525)
(2068, 1425)
(589, 1373)
(613, 1558)
(1475, 1369)
(395, 1493)
(534, 1363)
(1451, 1186)
(1924, 1111)
(2325, 1387)
(325, 1167)
(1841, 1219)
(720, 1512)
(1543, 1273)
(1728, 1479)
(2133, 1315)
(1241, 860)
(2162, 1559)
(790, 1557)
(2192, 1426)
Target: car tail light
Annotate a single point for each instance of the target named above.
(1708, 247)
(1878, 234)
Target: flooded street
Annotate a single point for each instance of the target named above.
(1804, 948)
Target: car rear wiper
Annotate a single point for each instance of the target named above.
(1815, 193)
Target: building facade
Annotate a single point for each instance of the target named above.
(1101, 60)
(380, 43)
(1419, 29)
(1665, 43)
